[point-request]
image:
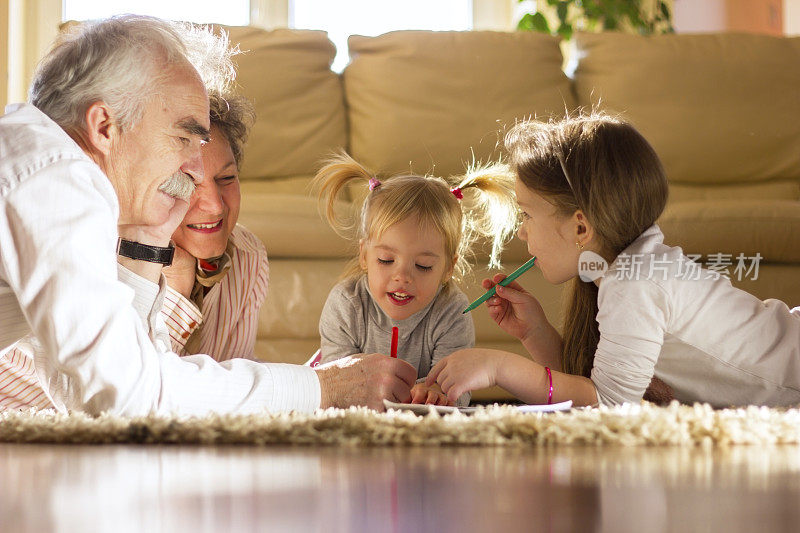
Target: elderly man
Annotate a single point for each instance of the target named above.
(218, 279)
(101, 163)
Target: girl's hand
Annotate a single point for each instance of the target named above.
(514, 309)
(465, 370)
(422, 393)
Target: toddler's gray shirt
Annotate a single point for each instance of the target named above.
(352, 323)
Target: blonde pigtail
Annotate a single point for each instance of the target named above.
(491, 212)
(330, 181)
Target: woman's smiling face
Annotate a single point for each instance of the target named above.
(405, 267)
(214, 207)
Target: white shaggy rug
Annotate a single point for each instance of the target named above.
(632, 425)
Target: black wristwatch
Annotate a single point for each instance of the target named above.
(146, 252)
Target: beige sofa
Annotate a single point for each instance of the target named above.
(723, 112)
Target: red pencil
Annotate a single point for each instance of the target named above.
(394, 342)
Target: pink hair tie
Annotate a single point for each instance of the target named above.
(457, 193)
(373, 184)
(550, 380)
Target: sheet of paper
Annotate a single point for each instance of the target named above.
(423, 409)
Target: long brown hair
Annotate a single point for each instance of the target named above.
(605, 168)
(487, 208)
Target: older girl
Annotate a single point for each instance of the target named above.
(593, 184)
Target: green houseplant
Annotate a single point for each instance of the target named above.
(640, 16)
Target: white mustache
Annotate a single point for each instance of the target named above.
(179, 185)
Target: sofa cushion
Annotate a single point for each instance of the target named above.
(298, 290)
(767, 227)
(717, 108)
(298, 100)
(426, 101)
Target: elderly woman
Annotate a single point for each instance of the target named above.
(218, 278)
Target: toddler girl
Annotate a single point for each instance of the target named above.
(592, 188)
(413, 235)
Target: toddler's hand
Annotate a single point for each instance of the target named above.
(464, 371)
(514, 309)
(422, 393)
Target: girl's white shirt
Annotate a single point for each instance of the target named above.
(708, 340)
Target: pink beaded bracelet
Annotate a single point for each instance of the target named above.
(549, 379)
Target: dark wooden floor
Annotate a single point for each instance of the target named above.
(242, 489)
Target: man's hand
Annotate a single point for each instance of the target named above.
(156, 235)
(181, 274)
(365, 380)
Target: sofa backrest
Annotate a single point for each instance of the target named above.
(298, 101)
(718, 108)
(721, 111)
(429, 102)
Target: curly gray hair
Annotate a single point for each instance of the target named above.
(123, 61)
(233, 114)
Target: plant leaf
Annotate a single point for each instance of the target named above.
(565, 31)
(601, 15)
(664, 8)
(534, 22)
(561, 11)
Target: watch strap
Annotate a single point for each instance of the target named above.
(146, 252)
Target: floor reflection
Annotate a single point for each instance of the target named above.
(161, 488)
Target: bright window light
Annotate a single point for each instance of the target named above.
(230, 12)
(373, 17)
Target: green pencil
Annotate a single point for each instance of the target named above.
(511, 277)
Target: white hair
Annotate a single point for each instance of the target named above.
(123, 62)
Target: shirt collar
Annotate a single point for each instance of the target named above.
(644, 244)
(206, 279)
